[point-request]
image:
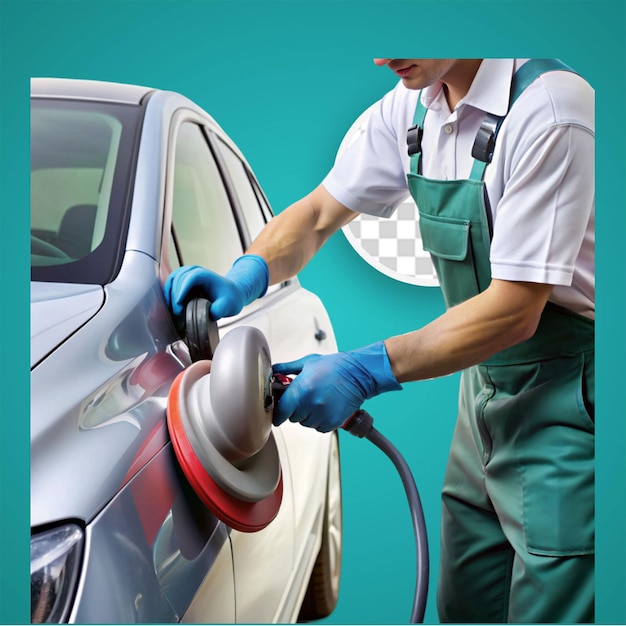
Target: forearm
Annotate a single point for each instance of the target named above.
(469, 333)
(293, 237)
(282, 249)
(288, 242)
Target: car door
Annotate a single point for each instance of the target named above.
(295, 323)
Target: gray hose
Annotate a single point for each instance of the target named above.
(361, 425)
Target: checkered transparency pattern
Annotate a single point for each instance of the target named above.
(392, 245)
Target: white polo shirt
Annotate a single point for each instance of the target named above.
(540, 182)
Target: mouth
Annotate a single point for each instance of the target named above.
(403, 71)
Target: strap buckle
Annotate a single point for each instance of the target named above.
(414, 139)
(485, 141)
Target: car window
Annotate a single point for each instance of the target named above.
(205, 229)
(81, 155)
(248, 200)
(267, 211)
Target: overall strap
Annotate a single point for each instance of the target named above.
(485, 141)
(414, 135)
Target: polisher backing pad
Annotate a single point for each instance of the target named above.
(238, 513)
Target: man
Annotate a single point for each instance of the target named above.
(501, 169)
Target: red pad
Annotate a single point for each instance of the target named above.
(247, 517)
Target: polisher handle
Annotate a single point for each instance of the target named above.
(280, 382)
(201, 332)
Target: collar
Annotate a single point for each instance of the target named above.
(489, 91)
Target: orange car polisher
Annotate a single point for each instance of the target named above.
(219, 416)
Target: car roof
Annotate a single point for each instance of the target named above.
(88, 90)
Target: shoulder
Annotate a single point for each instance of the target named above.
(394, 111)
(369, 175)
(558, 107)
(555, 98)
(571, 98)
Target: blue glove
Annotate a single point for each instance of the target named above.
(330, 388)
(246, 281)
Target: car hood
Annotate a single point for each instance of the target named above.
(58, 310)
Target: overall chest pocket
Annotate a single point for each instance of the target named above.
(448, 240)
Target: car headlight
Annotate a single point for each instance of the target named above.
(54, 566)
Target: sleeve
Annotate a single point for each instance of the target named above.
(545, 214)
(370, 175)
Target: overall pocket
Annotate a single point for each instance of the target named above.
(448, 242)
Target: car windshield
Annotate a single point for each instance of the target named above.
(82, 155)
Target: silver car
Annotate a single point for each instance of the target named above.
(128, 183)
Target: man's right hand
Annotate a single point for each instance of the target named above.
(246, 281)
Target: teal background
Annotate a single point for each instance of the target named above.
(286, 80)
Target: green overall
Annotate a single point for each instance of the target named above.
(517, 536)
